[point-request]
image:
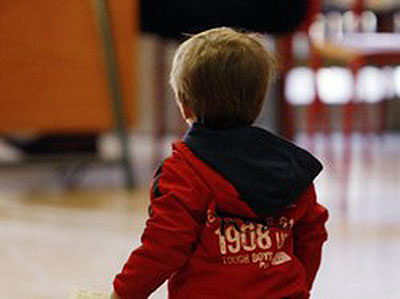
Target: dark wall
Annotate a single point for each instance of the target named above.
(171, 18)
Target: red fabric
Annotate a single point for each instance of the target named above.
(193, 239)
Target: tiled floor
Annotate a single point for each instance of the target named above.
(53, 241)
(363, 195)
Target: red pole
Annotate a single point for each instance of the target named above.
(358, 7)
(285, 44)
(159, 105)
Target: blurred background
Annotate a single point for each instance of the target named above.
(87, 115)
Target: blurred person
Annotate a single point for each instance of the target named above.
(233, 210)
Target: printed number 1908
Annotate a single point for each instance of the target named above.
(249, 238)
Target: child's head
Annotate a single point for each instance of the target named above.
(220, 77)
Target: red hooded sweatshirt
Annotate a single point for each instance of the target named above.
(233, 215)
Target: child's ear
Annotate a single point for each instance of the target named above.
(187, 113)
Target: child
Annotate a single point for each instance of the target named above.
(233, 211)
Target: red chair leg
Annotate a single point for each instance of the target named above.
(316, 112)
(350, 107)
(159, 105)
(381, 116)
(285, 50)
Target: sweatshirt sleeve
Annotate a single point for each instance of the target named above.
(309, 235)
(175, 222)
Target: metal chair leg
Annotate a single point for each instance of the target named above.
(110, 62)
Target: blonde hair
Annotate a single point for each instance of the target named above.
(222, 75)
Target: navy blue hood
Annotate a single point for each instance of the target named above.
(269, 172)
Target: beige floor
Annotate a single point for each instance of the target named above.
(54, 241)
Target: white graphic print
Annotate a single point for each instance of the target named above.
(248, 239)
(280, 257)
(253, 243)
